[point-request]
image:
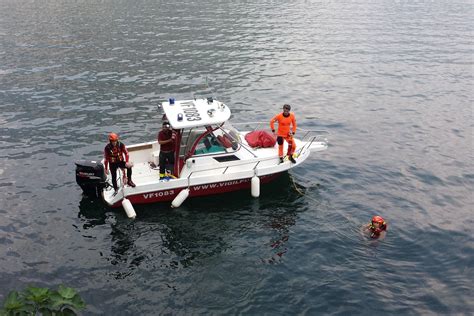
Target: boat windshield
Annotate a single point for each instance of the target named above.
(230, 134)
(209, 140)
(209, 145)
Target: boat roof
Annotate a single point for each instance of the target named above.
(195, 113)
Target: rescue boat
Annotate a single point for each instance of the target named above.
(212, 156)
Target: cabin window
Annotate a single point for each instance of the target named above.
(188, 139)
(209, 145)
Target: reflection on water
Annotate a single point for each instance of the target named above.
(197, 231)
(281, 225)
(93, 212)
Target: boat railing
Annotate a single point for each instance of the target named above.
(312, 136)
(318, 134)
(120, 175)
(308, 136)
(253, 126)
(254, 168)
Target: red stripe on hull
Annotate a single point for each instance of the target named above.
(196, 190)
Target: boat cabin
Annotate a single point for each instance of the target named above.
(201, 129)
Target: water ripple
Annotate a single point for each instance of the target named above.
(391, 81)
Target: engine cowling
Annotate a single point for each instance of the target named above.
(90, 176)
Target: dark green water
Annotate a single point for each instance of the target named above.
(391, 81)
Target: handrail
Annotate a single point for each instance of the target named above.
(250, 123)
(299, 128)
(310, 140)
(307, 144)
(305, 147)
(236, 165)
(308, 136)
(241, 123)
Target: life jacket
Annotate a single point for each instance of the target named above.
(376, 231)
(115, 153)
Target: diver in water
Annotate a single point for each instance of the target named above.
(376, 228)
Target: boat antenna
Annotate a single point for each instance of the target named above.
(159, 107)
(210, 88)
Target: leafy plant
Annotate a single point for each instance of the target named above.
(43, 301)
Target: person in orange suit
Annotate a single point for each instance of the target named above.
(286, 129)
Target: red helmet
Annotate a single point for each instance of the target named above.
(113, 137)
(378, 219)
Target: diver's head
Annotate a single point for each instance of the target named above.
(377, 220)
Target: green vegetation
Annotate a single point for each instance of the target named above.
(43, 301)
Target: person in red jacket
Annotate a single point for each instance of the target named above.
(286, 129)
(376, 228)
(116, 156)
(166, 138)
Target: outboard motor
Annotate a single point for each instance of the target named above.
(91, 177)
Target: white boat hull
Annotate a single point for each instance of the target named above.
(204, 175)
(211, 156)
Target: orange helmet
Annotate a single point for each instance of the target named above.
(113, 137)
(378, 219)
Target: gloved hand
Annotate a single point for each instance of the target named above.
(129, 164)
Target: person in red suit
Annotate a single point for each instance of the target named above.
(166, 138)
(116, 156)
(377, 227)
